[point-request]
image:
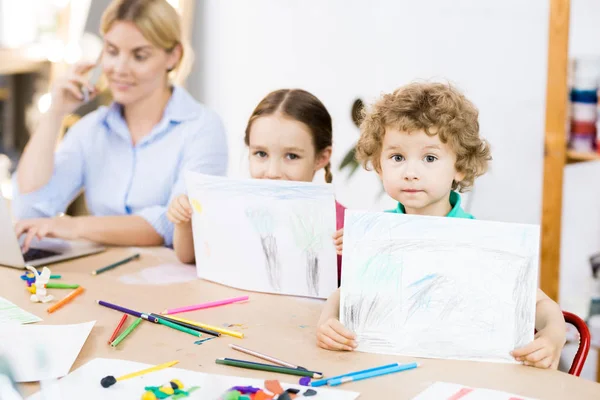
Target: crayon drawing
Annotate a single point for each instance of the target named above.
(439, 287)
(263, 235)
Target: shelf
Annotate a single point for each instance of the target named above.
(575, 157)
(20, 61)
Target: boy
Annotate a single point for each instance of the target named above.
(423, 141)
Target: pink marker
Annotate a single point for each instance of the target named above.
(205, 305)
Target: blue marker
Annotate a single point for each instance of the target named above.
(366, 375)
(323, 382)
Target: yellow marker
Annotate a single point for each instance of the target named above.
(197, 206)
(210, 327)
(148, 370)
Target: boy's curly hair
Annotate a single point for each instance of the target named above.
(435, 108)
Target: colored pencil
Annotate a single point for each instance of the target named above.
(265, 357)
(227, 332)
(117, 329)
(116, 264)
(323, 382)
(128, 311)
(147, 370)
(205, 305)
(65, 300)
(189, 326)
(126, 332)
(372, 374)
(178, 327)
(267, 367)
(57, 285)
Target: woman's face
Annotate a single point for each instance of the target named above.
(134, 67)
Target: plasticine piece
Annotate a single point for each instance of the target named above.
(274, 386)
(244, 397)
(260, 395)
(148, 396)
(284, 396)
(231, 395)
(305, 381)
(41, 295)
(293, 391)
(309, 393)
(245, 389)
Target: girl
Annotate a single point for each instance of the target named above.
(125, 157)
(289, 136)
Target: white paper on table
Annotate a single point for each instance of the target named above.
(444, 390)
(10, 313)
(86, 380)
(264, 235)
(61, 344)
(439, 287)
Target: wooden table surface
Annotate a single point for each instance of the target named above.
(281, 326)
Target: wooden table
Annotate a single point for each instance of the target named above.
(277, 325)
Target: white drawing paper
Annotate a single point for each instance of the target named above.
(86, 380)
(439, 287)
(10, 313)
(40, 352)
(444, 390)
(264, 235)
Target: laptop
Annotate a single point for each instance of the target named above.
(41, 252)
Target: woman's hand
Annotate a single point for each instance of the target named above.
(64, 227)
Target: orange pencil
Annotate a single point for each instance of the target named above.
(119, 326)
(66, 300)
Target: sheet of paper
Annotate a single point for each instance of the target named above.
(87, 380)
(439, 287)
(12, 314)
(37, 352)
(264, 235)
(454, 391)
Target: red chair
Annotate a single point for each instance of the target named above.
(584, 342)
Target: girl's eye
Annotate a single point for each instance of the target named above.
(293, 156)
(260, 154)
(397, 158)
(139, 57)
(430, 159)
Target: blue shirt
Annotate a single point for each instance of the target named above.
(97, 155)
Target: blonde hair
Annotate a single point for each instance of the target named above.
(437, 109)
(160, 24)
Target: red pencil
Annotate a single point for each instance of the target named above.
(116, 332)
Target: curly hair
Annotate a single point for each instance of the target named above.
(435, 108)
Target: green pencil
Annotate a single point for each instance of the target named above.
(127, 331)
(58, 285)
(267, 367)
(115, 265)
(178, 327)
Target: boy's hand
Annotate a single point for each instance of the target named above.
(332, 335)
(338, 240)
(180, 210)
(543, 352)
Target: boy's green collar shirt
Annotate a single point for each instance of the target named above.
(455, 212)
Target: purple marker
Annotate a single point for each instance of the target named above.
(128, 311)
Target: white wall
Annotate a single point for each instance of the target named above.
(344, 49)
(584, 29)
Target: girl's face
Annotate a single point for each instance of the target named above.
(135, 68)
(282, 148)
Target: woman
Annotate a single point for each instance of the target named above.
(127, 157)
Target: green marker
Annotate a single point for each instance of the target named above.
(57, 285)
(55, 276)
(127, 331)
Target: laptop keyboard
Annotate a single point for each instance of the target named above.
(36, 254)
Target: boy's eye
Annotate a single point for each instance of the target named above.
(293, 156)
(430, 158)
(260, 154)
(397, 157)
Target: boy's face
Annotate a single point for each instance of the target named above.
(417, 170)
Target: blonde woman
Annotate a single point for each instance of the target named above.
(126, 157)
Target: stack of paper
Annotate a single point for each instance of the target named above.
(12, 314)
